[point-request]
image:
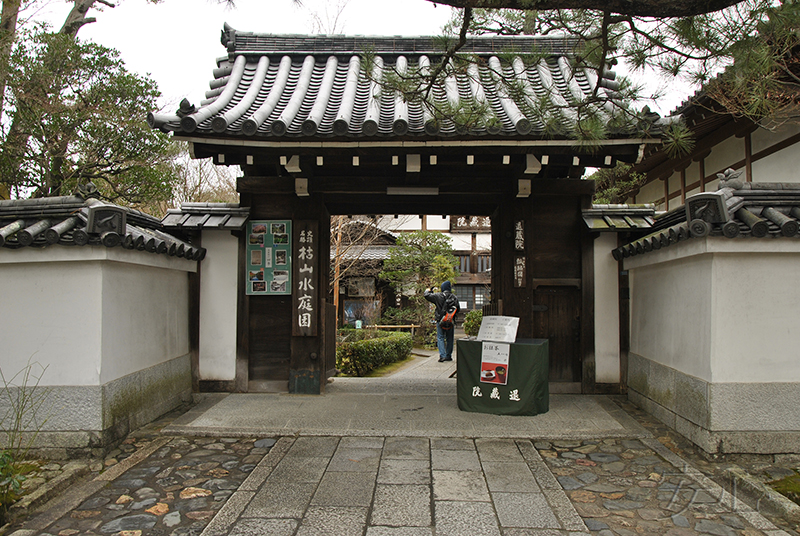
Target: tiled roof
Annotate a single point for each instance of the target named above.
(619, 217)
(195, 216)
(271, 86)
(365, 253)
(736, 210)
(75, 221)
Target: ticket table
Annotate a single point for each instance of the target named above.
(503, 380)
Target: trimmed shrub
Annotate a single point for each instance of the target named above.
(472, 322)
(360, 357)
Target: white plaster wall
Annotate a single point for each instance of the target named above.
(91, 314)
(755, 325)
(437, 223)
(218, 302)
(606, 312)
(51, 316)
(650, 192)
(724, 155)
(778, 167)
(145, 317)
(671, 310)
(718, 309)
(762, 138)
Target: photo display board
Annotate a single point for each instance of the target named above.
(269, 257)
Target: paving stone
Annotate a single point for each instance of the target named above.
(355, 460)
(501, 476)
(139, 505)
(595, 524)
(333, 521)
(524, 510)
(399, 531)
(313, 447)
(679, 520)
(93, 503)
(345, 489)
(711, 527)
(459, 486)
(171, 519)
(587, 478)
(447, 460)
(401, 506)
(603, 457)
(451, 443)
(622, 505)
(134, 522)
(404, 471)
(265, 443)
(261, 527)
(281, 500)
(406, 448)
(456, 518)
(569, 483)
(498, 450)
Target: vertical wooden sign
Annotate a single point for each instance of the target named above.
(519, 235)
(306, 279)
(519, 272)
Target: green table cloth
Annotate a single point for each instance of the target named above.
(516, 384)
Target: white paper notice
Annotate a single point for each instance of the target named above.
(499, 328)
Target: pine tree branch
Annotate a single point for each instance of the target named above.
(641, 8)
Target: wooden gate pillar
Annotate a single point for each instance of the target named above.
(309, 295)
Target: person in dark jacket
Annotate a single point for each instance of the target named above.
(444, 337)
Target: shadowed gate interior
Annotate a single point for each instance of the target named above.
(314, 135)
(549, 298)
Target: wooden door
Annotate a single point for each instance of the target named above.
(270, 343)
(557, 317)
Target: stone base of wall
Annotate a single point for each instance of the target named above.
(758, 418)
(79, 421)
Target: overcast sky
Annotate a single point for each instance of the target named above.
(177, 41)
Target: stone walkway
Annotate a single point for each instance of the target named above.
(620, 481)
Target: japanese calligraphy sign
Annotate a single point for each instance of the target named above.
(498, 328)
(470, 224)
(520, 273)
(519, 235)
(494, 362)
(306, 278)
(269, 257)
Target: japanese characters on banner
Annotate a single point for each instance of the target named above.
(519, 260)
(306, 273)
(269, 257)
(496, 334)
(520, 272)
(519, 235)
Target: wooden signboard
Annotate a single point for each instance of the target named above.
(269, 257)
(306, 277)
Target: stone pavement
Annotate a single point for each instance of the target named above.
(518, 476)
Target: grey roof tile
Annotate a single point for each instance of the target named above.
(63, 221)
(272, 86)
(746, 210)
(196, 216)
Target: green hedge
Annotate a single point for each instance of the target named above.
(359, 358)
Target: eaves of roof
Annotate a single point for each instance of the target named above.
(197, 216)
(75, 221)
(619, 218)
(311, 88)
(365, 253)
(737, 210)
